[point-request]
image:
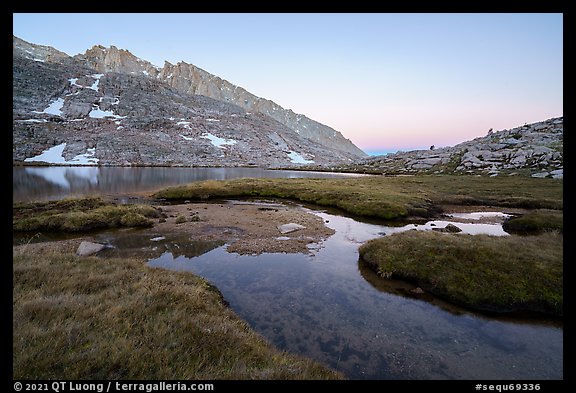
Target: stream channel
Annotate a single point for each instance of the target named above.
(325, 304)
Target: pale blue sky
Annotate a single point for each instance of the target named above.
(386, 81)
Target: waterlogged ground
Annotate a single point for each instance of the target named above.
(325, 305)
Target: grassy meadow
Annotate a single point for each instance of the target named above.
(490, 273)
(386, 197)
(111, 318)
(80, 215)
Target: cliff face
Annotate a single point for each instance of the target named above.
(532, 149)
(193, 80)
(189, 79)
(117, 109)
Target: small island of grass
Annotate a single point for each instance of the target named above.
(489, 273)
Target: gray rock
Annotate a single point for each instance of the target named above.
(541, 174)
(541, 150)
(431, 160)
(417, 291)
(450, 228)
(510, 141)
(89, 248)
(289, 228)
(77, 110)
(519, 160)
(421, 165)
(168, 114)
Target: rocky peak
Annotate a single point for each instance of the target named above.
(102, 108)
(113, 59)
(189, 79)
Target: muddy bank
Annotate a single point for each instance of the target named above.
(193, 228)
(247, 228)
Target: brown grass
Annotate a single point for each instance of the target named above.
(535, 222)
(93, 318)
(386, 197)
(79, 215)
(511, 273)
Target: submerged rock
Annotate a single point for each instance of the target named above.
(89, 248)
(289, 228)
(450, 228)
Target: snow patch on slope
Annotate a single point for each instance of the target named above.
(218, 142)
(96, 82)
(296, 158)
(54, 155)
(55, 108)
(97, 113)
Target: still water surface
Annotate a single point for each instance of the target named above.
(57, 182)
(326, 305)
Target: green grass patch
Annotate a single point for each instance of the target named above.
(535, 222)
(509, 273)
(353, 197)
(80, 215)
(386, 197)
(107, 319)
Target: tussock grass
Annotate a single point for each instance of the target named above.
(535, 222)
(180, 220)
(511, 273)
(386, 197)
(92, 318)
(356, 198)
(79, 215)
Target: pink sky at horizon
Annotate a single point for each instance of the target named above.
(440, 130)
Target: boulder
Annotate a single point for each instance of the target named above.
(421, 165)
(289, 228)
(417, 291)
(540, 126)
(431, 160)
(77, 110)
(557, 172)
(450, 228)
(89, 248)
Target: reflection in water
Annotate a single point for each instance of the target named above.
(45, 183)
(138, 243)
(479, 215)
(320, 306)
(469, 228)
(65, 176)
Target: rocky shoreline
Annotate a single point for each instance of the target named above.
(532, 149)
